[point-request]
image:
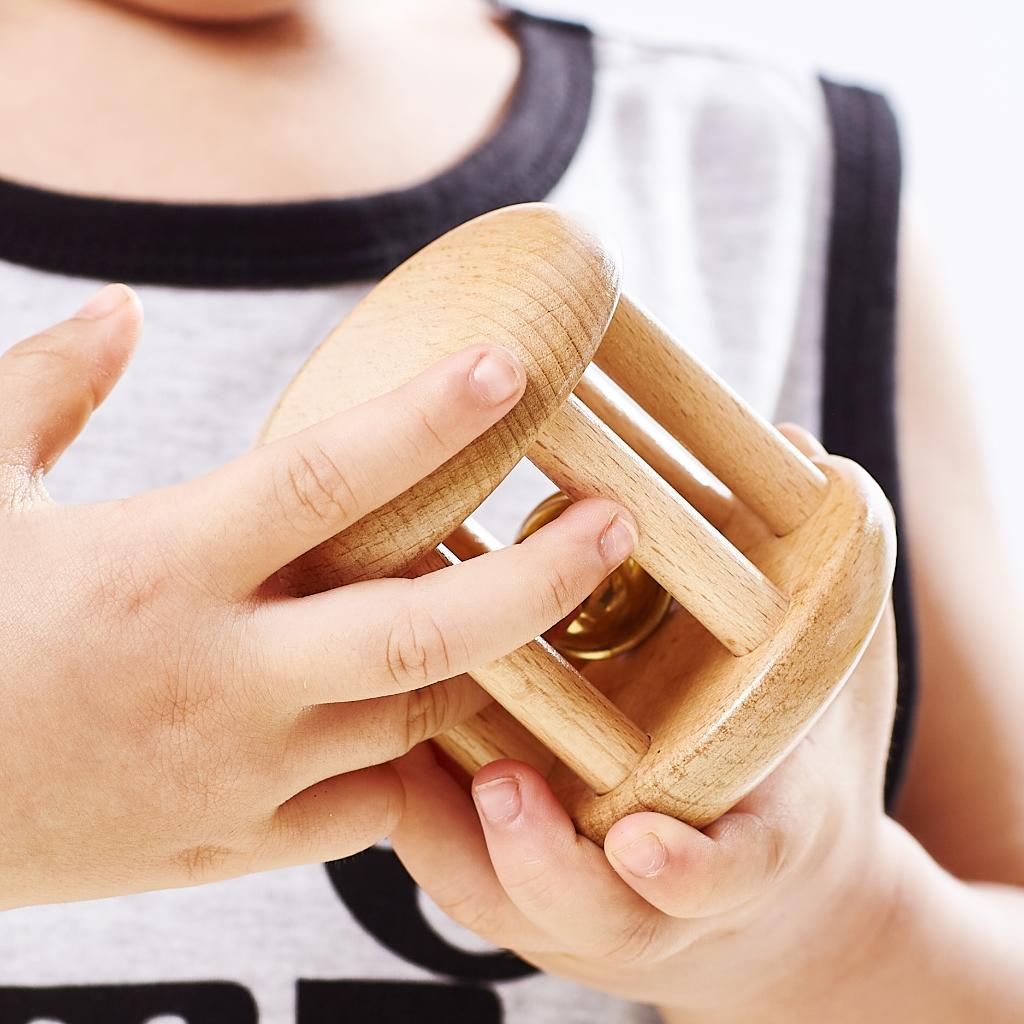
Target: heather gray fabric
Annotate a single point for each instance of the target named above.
(713, 174)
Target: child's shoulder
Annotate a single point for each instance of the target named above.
(736, 104)
(712, 80)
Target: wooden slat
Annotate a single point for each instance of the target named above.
(746, 453)
(677, 546)
(556, 704)
(663, 453)
(491, 735)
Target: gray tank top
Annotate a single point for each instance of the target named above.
(715, 175)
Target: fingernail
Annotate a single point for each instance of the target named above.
(104, 302)
(497, 376)
(618, 540)
(644, 857)
(499, 801)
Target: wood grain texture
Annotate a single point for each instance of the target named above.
(788, 602)
(529, 278)
(492, 734)
(568, 714)
(677, 546)
(550, 698)
(559, 706)
(720, 724)
(663, 453)
(751, 458)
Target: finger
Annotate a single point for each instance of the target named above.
(282, 499)
(387, 636)
(330, 739)
(558, 879)
(690, 874)
(50, 384)
(803, 440)
(757, 845)
(334, 818)
(441, 844)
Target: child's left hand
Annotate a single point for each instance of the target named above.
(760, 916)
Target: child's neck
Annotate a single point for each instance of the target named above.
(344, 99)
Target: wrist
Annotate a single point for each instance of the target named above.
(899, 939)
(931, 948)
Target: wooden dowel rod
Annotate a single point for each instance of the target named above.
(471, 539)
(677, 546)
(662, 452)
(568, 714)
(489, 735)
(746, 453)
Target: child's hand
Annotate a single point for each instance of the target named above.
(165, 717)
(767, 907)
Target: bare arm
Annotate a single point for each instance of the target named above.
(964, 793)
(805, 903)
(948, 943)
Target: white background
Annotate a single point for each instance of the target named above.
(955, 72)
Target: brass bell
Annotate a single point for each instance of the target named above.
(621, 614)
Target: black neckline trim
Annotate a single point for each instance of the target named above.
(325, 241)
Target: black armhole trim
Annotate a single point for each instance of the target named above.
(859, 398)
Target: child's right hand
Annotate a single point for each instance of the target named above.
(165, 718)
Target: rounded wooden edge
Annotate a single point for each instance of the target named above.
(531, 278)
(519, 222)
(837, 604)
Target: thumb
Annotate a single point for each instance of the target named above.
(51, 383)
(686, 873)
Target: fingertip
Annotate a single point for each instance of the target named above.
(703, 872)
(593, 520)
(117, 310)
(498, 792)
(497, 376)
(618, 539)
(507, 792)
(125, 332)
(643, 845)
(503, 766)
(111, 300)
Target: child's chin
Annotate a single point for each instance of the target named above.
(215, 10)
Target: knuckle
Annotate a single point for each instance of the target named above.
(532, 886)
(123, 588)
(426, 715)
(774, 848)
(425, 440)
(135, 563)
(417, 650)
(49, 356)
(560, 596)
(636, 943)
(187, 694)
(466, 909)
(314, 487)
(202, 862)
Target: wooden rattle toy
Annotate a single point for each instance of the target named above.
(779, 566)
